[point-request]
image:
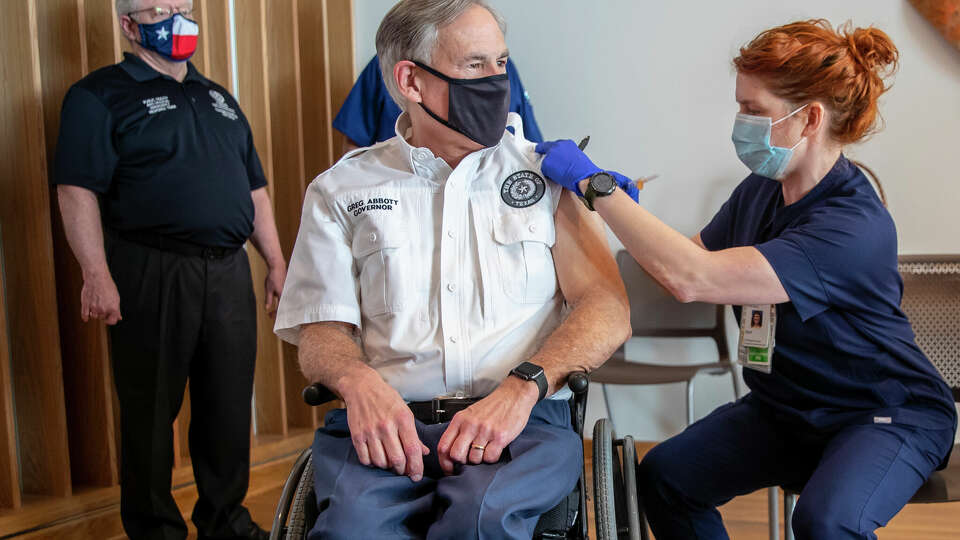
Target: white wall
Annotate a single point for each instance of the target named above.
(652, 84)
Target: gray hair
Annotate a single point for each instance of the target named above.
(409, 32)
(126, 6)
(129, 6)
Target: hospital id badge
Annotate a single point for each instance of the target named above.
(757, 336)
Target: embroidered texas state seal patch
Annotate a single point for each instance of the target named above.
(522, 189)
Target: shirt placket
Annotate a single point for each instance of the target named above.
(456, 358)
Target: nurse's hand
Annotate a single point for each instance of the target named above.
(565, 164)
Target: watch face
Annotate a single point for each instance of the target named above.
(603, 183)
(528, 370)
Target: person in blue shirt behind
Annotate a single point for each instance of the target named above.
(843, 403)
(369, 113)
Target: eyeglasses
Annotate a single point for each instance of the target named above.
(162, 13)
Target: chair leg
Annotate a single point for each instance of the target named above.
(789, 503)
(689, 402)
(606, 404)
(736, 382)
(773, 504)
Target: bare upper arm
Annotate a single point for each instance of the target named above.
(739, 275)
(581, 253)
(698, 241)
(68, 191)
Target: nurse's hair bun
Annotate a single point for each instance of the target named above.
(871, 47)
(844, 69)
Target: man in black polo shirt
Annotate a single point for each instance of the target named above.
(168, 158)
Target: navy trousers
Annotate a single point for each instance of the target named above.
(487, 501)
(853, 480)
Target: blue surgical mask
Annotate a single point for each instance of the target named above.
(751, 138)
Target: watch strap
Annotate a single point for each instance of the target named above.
(540, 378)
(590, 194)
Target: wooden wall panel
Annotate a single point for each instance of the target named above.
(9, 467)
(103, 37)
(283, 54)
(269, 409)
(86, 363)
(286, 123)
(340, 51)
(214, 56)
(315, 88)
(28, 252)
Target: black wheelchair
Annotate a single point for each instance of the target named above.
(617, 507)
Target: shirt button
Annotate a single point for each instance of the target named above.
(453, 339)
(373, 237)
(533, 228)
(452, 287)
(450, 233)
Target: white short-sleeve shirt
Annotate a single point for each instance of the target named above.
(448, 273)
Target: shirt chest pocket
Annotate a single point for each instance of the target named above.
(523, 242)
(380, 251)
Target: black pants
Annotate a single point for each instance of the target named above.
(183, 317)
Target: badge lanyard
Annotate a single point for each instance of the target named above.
(758, 325)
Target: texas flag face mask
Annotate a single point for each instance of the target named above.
(174, 38)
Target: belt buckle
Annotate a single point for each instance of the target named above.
(212, 252)
(438, 405)
(435, 410)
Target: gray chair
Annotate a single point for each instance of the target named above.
(931, 300)
(654, 313)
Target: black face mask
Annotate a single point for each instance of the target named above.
(477, 107)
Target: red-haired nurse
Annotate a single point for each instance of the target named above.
(843, 404)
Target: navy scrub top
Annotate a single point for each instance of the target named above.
(845, 353)
(369, 114)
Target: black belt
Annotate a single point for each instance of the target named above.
(439, 410)
(181, 247)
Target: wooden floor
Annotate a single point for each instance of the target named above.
(745, 517)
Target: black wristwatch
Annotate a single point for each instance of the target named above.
(601, 184)
(532, 372)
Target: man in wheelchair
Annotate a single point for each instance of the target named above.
(427, 289)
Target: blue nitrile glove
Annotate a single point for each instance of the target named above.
(565, 164)
(627, 185)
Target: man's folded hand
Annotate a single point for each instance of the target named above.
(382, 427)
(479, 433)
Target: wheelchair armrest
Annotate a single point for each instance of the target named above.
(578, 381)
(318, 394)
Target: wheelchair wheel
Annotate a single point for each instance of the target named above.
(605, 471)
(630, 497)
(278, 530)
(303, 511)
